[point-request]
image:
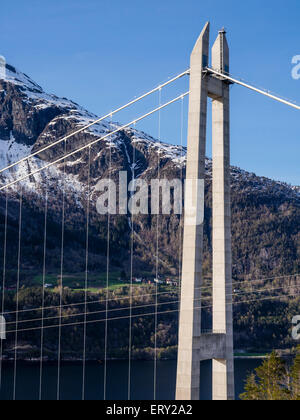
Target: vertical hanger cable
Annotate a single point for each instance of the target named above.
(107, 272)
(181, 216)
(157, 257)
(43, 293)
(86, 276)
(17, 295)
(3, 280)
(61, 276)
(131, 287)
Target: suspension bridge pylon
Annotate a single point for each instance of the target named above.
(195, 346)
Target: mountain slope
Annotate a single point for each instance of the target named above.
(266, 213)
(265, 232)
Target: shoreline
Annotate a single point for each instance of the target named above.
(285, 354)
(100, 362)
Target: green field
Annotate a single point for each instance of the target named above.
(76, 281)
(95, 281)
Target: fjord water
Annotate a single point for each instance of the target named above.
(117, 380)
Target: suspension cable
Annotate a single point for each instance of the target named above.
(107, 277)
(43, 293)
(92, 143)
(131, 280)
(86, 274)
(17, 296)
(157, 256)
(61, 277)
(255, 89)
(180, 217)
(43, 149)
(3, 279)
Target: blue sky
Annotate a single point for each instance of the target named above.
(102, 53)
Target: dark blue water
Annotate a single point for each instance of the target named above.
(117, 380)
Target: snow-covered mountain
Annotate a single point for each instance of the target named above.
(31, 118)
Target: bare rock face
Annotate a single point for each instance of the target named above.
(266, 213)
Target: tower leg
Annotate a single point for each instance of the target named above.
(223, 370)
(188, 365)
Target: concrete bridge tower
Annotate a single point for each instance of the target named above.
(217, 346)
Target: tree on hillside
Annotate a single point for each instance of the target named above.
(295, 378)
(269, 381)
(274, 380)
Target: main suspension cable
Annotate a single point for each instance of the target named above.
(74, 152)
(255, 89)
(43, 149)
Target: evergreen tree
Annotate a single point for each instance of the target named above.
(252, 391)
(269, 382)
(295, 378)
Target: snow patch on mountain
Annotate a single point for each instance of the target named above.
(12, 75)
(49, 179)
(177, 154)
(10, 151)
(33, 94)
